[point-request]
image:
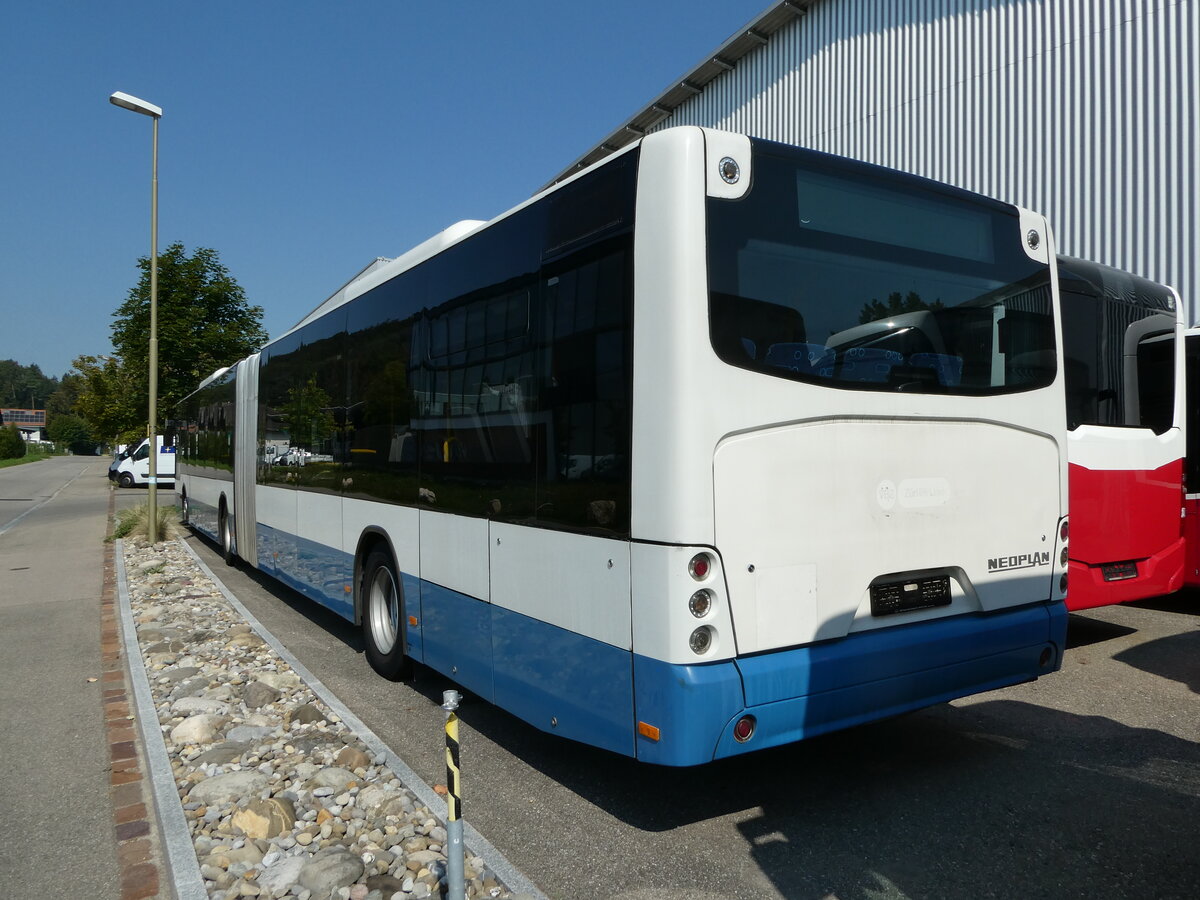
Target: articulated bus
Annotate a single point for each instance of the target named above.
(718, 445)
(1123, 348)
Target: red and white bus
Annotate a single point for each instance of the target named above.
(1123, 350)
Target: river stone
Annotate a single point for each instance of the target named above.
(190, 688)
(279, 877)
(265, 818)
(308, 744)
(332, 777)
(178, 673)
(246, 640)
(372, 797)
(329, 870)
(352, 758)
(248, 732)
(198, 729)
(304, 715)
(189, 706)
(228, 787)
(387, 884)
(221, 754)
(281, 681)
(258, 694)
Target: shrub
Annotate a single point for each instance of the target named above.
(12, 445)
(132, 522)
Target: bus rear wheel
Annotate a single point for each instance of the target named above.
(383, 618)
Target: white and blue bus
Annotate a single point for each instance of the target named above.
(718, 445)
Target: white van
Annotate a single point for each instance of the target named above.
(134, 468)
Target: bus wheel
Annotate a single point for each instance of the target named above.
(126, 480)
(225, 527)
(183, 510)
(383, 618)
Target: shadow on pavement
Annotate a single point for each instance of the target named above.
(1176, 657)
(1083, 631)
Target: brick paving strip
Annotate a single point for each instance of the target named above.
(139, 849)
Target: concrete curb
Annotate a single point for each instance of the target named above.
(174, 832)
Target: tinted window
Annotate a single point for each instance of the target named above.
(1192, 468)
(302, 407)
(1118, 347)
(205, 435)
(833, 273)
(493, 380)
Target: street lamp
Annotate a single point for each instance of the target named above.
(126, 101)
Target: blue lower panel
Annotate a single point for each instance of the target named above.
(457, 637)
(690, 706)
(319, 572)
(800, 693)
(563, 682)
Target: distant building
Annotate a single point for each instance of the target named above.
(1086, 112)
(31, 422)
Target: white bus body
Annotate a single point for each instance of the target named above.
(669, 490)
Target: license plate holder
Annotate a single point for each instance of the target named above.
(908, 594)
(1121, 571)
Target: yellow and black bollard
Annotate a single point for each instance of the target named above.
(455, 885)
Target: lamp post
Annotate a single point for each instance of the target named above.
(126, 101)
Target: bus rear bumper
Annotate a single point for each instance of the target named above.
(1161, 574)
(803, 692)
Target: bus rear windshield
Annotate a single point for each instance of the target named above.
(853, 277)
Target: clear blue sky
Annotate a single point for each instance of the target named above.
(299, 139)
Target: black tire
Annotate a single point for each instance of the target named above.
(383, 618)
(125, 480)
(225, 529)
(184, 512)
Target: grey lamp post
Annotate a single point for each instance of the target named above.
(125, 101)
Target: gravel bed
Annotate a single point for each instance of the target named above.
(282, 799)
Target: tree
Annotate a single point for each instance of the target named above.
(12, 445)
(24, 387)
(71, 432)
(204, 323)
(63, 400)
(108, 401)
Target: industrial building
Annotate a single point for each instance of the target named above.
(1087, 111)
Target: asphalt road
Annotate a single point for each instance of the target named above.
(1083, 784)
(56, 816)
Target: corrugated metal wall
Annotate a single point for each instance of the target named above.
(1085, 110)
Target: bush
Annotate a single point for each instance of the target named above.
(12, 445)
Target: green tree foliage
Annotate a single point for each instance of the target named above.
(12, 445)
(24, 387)
(71, 432)
(896, 305)
(111, 406)
(204, 323)
(62, 401)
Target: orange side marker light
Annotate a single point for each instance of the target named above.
(648, 731)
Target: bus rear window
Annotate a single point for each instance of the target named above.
(827, 276)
